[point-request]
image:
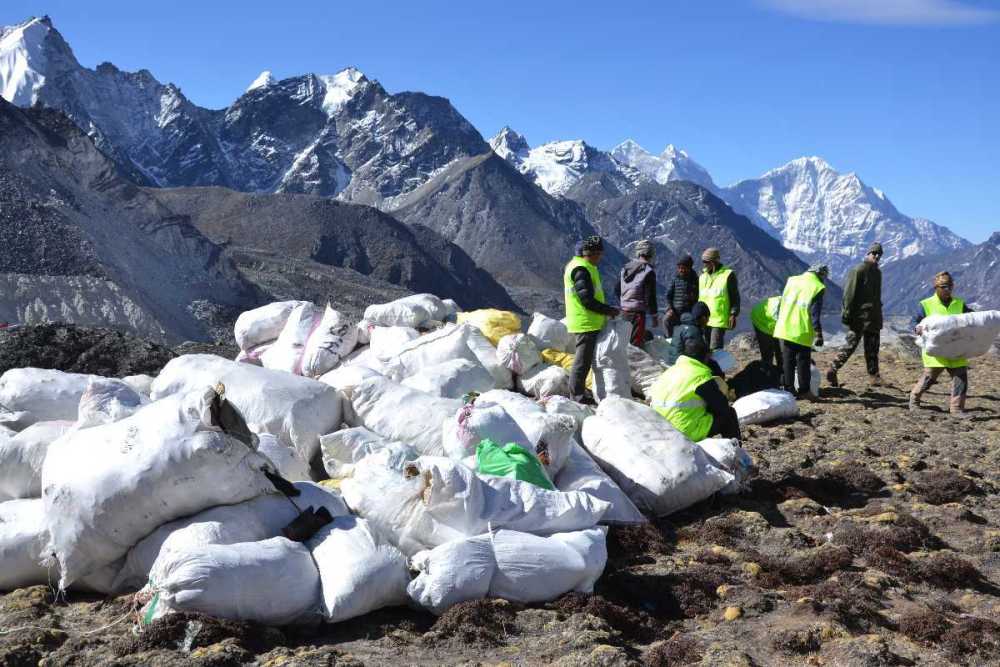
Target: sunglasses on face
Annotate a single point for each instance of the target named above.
(945, 286)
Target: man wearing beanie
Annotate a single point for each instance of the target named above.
(636, 290)
(862, 315)
(717, 288)
(682, 294)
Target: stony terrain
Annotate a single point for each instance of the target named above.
(868, 536)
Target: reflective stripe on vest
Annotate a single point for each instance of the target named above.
(578, 318)
(673, 397)
(933, 306)
(713, 292)
(765, 314)
(794, 323)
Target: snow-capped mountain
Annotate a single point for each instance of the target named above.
(339, 134)
(673, 164)
(823, 214)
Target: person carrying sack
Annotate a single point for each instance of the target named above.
(942, 303)
(718, 289)
(798, 326)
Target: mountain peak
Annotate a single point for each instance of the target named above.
(263, 80)
(510, 145)
(671, 152)
(994, 239)
(673, 164)
(23, 60)
(340, 88)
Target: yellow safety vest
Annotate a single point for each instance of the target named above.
(712, 291)
(765, 314)
(673, 396)
(578, 318)
(794, 323)
(933, 306)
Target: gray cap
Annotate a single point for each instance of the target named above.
(821, 270)
(645, 248)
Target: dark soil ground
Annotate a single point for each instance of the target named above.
(869, 536)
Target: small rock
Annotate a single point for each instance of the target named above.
(732, 613)
(752, 569)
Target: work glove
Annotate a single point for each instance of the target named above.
(819, 339)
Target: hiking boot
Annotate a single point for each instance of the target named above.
(808, 396)
(875, 380)
(961, 414)
(831, 377)
(914, 403)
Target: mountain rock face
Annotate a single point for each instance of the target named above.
(822, 214)
(340, 134)
(976, 271)
(673, 164)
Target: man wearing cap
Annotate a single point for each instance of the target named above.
(682, 294)
(862, 315)
(718, 289)
(798, 326)
(942, 303)
(636, 290)
(586, 310)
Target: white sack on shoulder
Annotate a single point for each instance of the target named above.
(581, 473)
(386, 342)
(295, 409)
(107, 487)
(660, 470)
(959, 336)
(518, 353)
(551, 334)
(22, 456)
(105, 401)
(44, 395)
(273, 582)
(263, 324)
(766, 406)
(452, 379)
(359, 570)
(611, 370)
(401, 413)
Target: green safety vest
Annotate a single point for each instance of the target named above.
(933, 306)
(578, 318)
(794, 323)
(712, 291)
(765, 314)
(673, 396)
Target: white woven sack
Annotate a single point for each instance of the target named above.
(554, 430)
(644, 368)
(386, 342)
(107, 400)
(286, 459)
(728, 455)
(436, 308)
(328, 344)
(611, 369)
(452, 379)
(959, 336)
(142, 384)
(22, 456)
(404, 414)
(41, 394)
(544, 380)
(551, 334)
(518, 353)
(398, 313)
(581, 473)
(264, 324)
(766, 406)
(343, 449)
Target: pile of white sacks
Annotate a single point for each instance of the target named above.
(157, 486)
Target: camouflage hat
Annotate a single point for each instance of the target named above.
(645, 248)
(875, 249)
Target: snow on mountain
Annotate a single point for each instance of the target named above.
(823, 214)
(510, 145)
(23, 61)
(263, 80)
(672, 164)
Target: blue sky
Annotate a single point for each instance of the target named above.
(904, 92)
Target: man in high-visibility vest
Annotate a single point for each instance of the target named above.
(942, 303)
(718, 289)
(764, 316)
(586, 311)
(798, 326)
(689, 397)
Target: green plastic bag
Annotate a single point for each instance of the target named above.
(511, 460)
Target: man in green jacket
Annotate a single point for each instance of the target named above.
(586, 310)
(718, 289)
(862, 315)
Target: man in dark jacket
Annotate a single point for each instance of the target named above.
(692, 326)
(862, 315)
(586, 309)
(682, 293)
(636, 290)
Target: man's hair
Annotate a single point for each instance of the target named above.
(590, 245)
(943, 278)
(687, 261)
(695, 348)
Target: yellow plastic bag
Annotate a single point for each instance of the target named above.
(495, 324)
(565, 360)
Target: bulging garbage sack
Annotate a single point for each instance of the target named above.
(438, 309)
(42, 394)
(273, 582)
(959, 336)
(329, 343)
(398, 313)
(581, 473)
(253, 520)
(543, 381)
(508, 564)
(732, 458)
(546, 431)
(434, 500)
(343, 449)
(446, 344)
(264, 324)
(645, 370)
(518, 353)
(551, 333)
(359, 570)
(725, 360)
(346, 378)
(611, 369)
(452, 379)
(386, 342)
(660, 469)
(22, 456)
(480, 421)
(106, 400)
(286, 459)
(513, 461)
(766, 406)
(493, 323)
(107, 487)
(560, 405)
(285, 352)
(142, 384)
(295, 409)
(400, 413)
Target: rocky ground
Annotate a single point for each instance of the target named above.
(869, 536)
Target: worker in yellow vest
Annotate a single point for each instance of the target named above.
(798, 326)
(586, 311)
(718, 289)
(943, 303)
(688, 397)
(764, 316)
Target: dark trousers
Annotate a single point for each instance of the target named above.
(638, 322)
(583, 361)
(796, 360)
(959, 385)
(770, 351)
(671, 321)
(716, 337)
(871, 350)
